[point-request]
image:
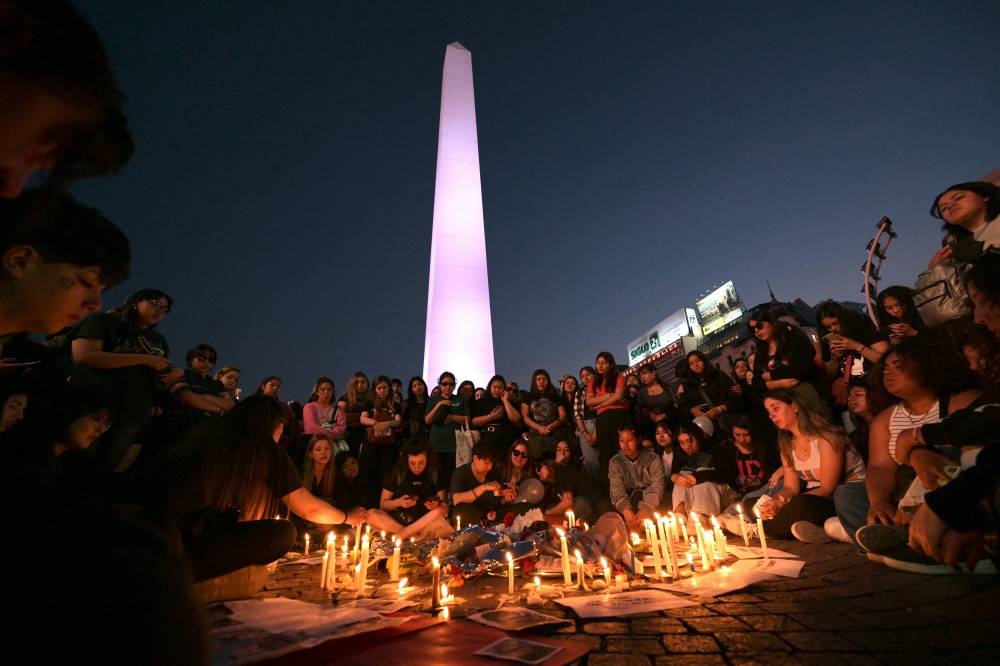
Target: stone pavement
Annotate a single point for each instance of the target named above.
(843, 609)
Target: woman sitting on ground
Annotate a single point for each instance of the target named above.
(518, 467)
(413, 502)
(567, 485)
(930, 383)
(701, 480)
(815, 455)
(707, 393)
(851, 345)
(225, 484)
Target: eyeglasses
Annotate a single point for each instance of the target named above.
(518, 453)
(165, 309)
(447, 383)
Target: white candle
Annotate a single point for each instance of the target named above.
(743, 524)
(567, 579)
(690, 561)
(357, 544)
(363, 572)
(674, 535)
(435, 583)
(458, 523)
(586, 527)
(607, 571)
(720, 538)
(673, 550)
(707, 545)
(402, 586)
(394, 562)
(510, 574)
(538, 584)
(662, 543)
(305, 552)
(570, 519)
(579, 569)
(322, 572)
(684, 529)
(654, 547)
(760, 534)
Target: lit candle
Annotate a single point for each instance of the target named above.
(673, 526)
(567, 579)
(684, 529)
(363, 572)
(458, 523)
(760, 534)
(662, 542)
(672, 549)
(322, 572)
(651, 537)
(701, 539)
(402, 586)
(690, 561)
(444, 593)
(538, 584)
(720, 538)
(707, 545)
(607, 571)
(383, 534)
(570, 519)
(636, 539)
(368, 531)
(357, 544)
(586, 526)
(445, 614)
(743, 524)
(579, 570)
(305, 552)
(510, 574)
(435, 583)
(394, 562)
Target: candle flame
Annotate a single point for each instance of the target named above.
(402, 584)
(329, 537)
(510, 558)
(604, 563)
(446, 614)
(435, 562)
(560, 532)
(444, 591)
(739, 508)
(756, 512)
(538, 583)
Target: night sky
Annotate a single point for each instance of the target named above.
(633, 155)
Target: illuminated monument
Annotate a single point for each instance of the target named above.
(459, 334)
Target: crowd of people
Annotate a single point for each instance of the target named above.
(160, 476)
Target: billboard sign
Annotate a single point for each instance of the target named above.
(669, 330)
(719, 308)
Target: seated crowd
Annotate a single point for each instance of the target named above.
(163, 476)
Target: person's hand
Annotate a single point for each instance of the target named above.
(766, 375)
(684, 480)
(591, 439)
(905, 441)
(432, 503)
(737, 389)
(939, 257)
(777, 476)
(496, 412)
(840, 346)
(931, 536)
(407, 502)
(881, 513)
(901, 330)
(357, 516)
(930, 467)
(696, 412)
(768, 508)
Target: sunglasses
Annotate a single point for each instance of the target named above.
(447, 383)
(160, 306)
(205, 359)
(518, 453)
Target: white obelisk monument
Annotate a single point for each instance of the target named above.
(459, 334)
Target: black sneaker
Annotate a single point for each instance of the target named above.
(907, 559)
(881, 538)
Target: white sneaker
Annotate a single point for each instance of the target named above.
(807, 532)
(835, 530)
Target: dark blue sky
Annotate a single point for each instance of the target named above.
(634, 155)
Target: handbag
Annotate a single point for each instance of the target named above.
(940, 295)
(464, 442)
(380, 435)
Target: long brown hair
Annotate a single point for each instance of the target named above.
(811, 424)
(309, 467)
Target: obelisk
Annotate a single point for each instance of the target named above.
(459, 333)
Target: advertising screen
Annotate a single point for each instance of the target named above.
(719, 308)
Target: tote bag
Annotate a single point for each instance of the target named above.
(463, 445)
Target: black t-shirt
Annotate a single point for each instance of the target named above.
(463, 480)
(135, 387)
(421, 486)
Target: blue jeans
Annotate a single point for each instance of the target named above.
(851, 503)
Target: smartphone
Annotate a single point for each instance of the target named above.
(831, 337)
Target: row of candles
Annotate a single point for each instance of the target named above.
(661, 535)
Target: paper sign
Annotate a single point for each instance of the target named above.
(626, 603)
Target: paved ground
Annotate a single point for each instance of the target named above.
(843, 609)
